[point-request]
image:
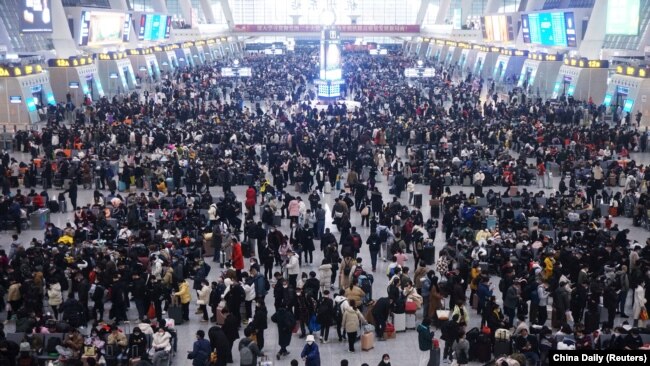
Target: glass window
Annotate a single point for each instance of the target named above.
(310, 11)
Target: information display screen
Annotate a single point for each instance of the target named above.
(154, 27)
(622, 17)
(104, 28)
(550, 29)
(35, 16)
(498, 28)
(330, 55)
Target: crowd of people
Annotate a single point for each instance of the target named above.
(158, 229)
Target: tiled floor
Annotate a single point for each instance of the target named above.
(403, 349)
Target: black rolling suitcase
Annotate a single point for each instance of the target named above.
(175, 311)
(483, 346)
(502, 348)
(429, 254)
(417, 200)
(53, 206)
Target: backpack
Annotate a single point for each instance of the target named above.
(51, 344)
(246, 355)
(462, 358)
(383, 236)
(347, 268)
(356, 242)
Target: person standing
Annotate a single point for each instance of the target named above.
(72, 193)
(310, 353)
(293, 267)
(249, 350)
(259, 322)
(285, 321)
(352, 320)
(425, 339)
(204, 298)
(200, 353)
(185, 297)
(639, 302)
(461, 349)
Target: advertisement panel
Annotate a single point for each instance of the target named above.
(35, 16)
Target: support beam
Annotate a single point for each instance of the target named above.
(442, 11)
(227, 12)
(422, 12)
(186, 12)
(159, 6)
(207, 11)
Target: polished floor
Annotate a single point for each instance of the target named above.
(403, 350)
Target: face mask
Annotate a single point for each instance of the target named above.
(386, 359)
(310, 343)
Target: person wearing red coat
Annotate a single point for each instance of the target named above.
(237, 257)
(251, 199)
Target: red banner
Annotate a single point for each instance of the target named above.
(315, 28)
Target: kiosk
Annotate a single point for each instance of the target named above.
(145, 63)
(486, 59)
(628, 92)
(582, 79)
(116, 72)
(76, 77)
(24, 89)
(539, 72)
(508, 65)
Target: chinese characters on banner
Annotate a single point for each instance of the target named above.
(315, 28)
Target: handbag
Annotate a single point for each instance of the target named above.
(365, 211)
(410, 307)
(151, 313)
(313, 324)
(643, 315)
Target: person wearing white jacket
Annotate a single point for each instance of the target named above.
(248, 285)
(639, 303)
(204, 299)
(293, 267)
(160, 346)
(54, 298)
(325, 275)
(410, 188)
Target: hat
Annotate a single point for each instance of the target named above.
(25, 347)
(310, 338)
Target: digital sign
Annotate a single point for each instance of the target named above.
(498, 28)
(586, 64)
(635, 71)
(20, 70)
(622, 17)
(104, 28)
(70, 62)
(330, 55)
(412, 72)
(236, 72)
(154, 27)
(15, 99)
(35, 16)
(549, 29)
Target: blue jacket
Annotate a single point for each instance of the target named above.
(483, 292)
(311, 354)
(200, 352)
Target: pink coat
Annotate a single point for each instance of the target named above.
(294, 208)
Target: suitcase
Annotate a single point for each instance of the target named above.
(208, 249)
(53, 206)
(389, 332)
(399, 321)
(502, 348)
(327, 188)
(434, 357)
(222, 259)
(220, 317)
(491, 222)
(39, 218)
(169, 182)
(485, 267)
(176, 313)
(121, 186)
(264, 361)
(367, 341)
(429, 254)
(410, 321)
(483, 348)
(417, 200)
(467, 181)
(474, 301)
(277, 220)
